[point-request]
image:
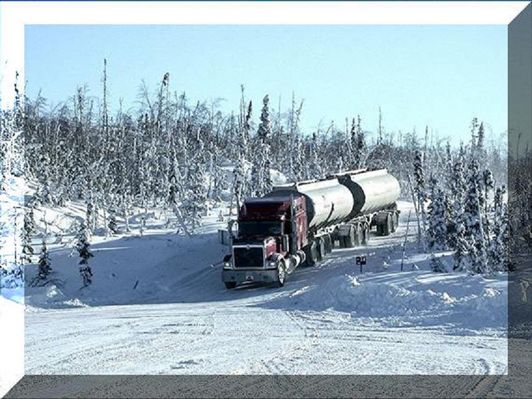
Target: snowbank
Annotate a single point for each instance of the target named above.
(418, 298)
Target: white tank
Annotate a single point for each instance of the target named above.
(328, 201)
(372, 191)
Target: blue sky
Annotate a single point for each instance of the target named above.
(440, 76)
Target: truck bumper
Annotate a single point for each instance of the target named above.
(242, 276)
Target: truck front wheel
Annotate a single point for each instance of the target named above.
(281, 274)
(230, 285)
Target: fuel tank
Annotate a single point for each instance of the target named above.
(328, 201)
(372, 191)
(343, 196)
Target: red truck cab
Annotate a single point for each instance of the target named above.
(271, 232)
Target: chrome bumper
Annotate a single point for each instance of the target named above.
(242, 276)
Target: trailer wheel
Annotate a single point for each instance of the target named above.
(230, 285)
(365, 234)
(341, 241)
(320, 247)
(386, 227)
(350, 239)
(395, 219)
(359, 236)
(328, 243)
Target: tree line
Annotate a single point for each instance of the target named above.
(171, 153)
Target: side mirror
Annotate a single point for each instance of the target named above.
(224, 237)
(230, 225)
(285, 242)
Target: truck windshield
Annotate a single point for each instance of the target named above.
(260, 228)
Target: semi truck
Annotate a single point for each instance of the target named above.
(301, 223)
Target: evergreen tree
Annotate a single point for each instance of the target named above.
(487, 187)
(264, 131)
(27, 234)
(260, 173)
(83, 248)
(474, 217)
(437, 217)
(44, 263)
(361, 143)
(498, 252)
(238, 184)
(419, 188)
(457, 188)
(111, 223)
(195, 204)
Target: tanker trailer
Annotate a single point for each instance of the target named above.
(302, 222)
(375, 194)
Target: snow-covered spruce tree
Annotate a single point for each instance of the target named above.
(448, 163)
(473, 221)
(244, 126)
(44, 263)
(461, 248)
(353, 153)
(437, 217)
(264, 131)
(83, 248)
(498, 251)
(27, 235)
(314, 164)
(257, 177)
(112, 225)
(456, 189)
(260, 173)
(487, 187)
(89, 214)
(360, 144)
(195, 202)
(238, 185)
(268, 182)
(420, 189)
(480, 149)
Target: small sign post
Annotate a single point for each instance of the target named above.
(361, 260)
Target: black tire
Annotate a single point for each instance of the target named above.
(281, 275)
(359, 235)
(395, 221)
(365, 234)
(341, 242)
(230, 285)
(350, 239)
(387, 227)
(310, 254)
(320, 247)
(328, 243)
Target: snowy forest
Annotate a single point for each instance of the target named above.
(184, 157)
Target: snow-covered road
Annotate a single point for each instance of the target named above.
(235, 339)
(158, 307)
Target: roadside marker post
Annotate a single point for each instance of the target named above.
(361, 260)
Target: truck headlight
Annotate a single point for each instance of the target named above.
(227, 265)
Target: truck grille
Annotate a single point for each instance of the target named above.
(248, 257)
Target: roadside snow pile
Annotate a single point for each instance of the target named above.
(411, 298)
(11, 216)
